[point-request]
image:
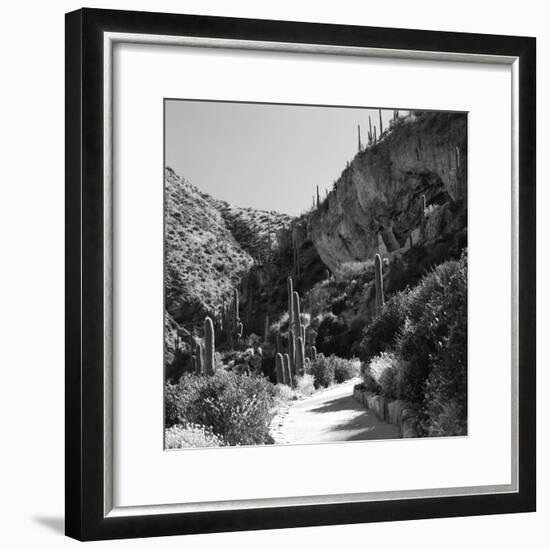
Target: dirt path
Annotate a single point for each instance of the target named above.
(330, 415)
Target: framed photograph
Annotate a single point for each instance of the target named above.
(300, 274)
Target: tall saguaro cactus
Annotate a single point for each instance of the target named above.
(209, 347)
(290, 308)
(378, 283)
(279, 368)
(296, 314)
(278, 344)
(292, 353)
(287, 374)
(300, 357)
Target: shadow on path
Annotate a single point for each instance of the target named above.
(334, 415)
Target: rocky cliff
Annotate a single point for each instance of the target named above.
(376, 204)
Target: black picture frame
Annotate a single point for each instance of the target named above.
(85, 436)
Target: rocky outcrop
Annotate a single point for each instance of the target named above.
(377, 201)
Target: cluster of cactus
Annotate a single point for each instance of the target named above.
(230, 321)
(282, 369)
(294, 362)
(203, 360)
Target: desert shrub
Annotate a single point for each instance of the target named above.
(383, 369)
(233, 406)
(190, 435)
(345, 369)
(247, 361)
(319, 297)
(380, 334)
(305, 384)
(283, 392)
(322, 368)
(354, 270)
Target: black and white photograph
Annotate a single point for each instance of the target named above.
(315, 271)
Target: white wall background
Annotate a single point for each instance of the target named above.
(31, 273)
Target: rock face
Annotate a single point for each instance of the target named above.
(377, 202)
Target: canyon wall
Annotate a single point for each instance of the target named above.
(377, 201)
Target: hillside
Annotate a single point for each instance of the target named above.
(210, 246)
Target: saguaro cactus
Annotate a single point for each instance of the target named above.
(209, 346)
(313, 353)
(381, 123)
(300, 356)
(318, 200)
(287, 375)
(279, 368)
(359, 144)
(291, 353)
(290, 296)
(296, 314)
(378, 283)
(278, 343)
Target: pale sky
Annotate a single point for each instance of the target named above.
(266, 156)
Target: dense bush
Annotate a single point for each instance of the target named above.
(416, 349)
(190, 435)
(345, 369)
(322, 368)
(436, 305)
(382, 370)
(233, 406)
(380, 334)
(247, 361)
(329, 370)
